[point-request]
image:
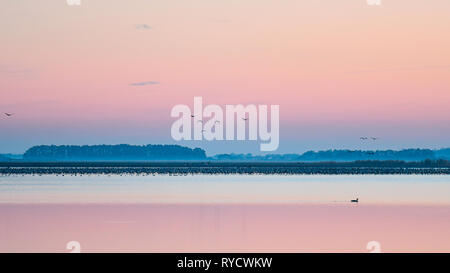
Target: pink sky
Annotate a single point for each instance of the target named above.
(338, 70)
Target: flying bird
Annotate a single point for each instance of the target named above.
(9, 114)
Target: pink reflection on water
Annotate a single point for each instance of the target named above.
(224, 228)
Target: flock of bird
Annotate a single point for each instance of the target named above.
(245, 119)
(201, 121)
(193, 116)
(216, 122)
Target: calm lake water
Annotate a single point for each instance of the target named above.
(237, 213)
(225, 189)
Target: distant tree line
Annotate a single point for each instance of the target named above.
(126, 152)
(113, 152)
(343, 155)
(4, 158)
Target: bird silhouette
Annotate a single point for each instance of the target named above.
(9, 114)
(245, 118)
(192, 116)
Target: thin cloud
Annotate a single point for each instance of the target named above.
(16, 72)
(144, 83)
(143, 26)
(430, 67)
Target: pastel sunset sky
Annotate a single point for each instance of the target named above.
(110, 71)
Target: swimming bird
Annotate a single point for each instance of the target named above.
(354, 200)
(245, 118)
(374, 138)
(192, 116)
(9, 114)
(363, 138)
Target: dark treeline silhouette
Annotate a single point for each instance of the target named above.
(4, 158)
(440, 163)
(112, 152)
(443, 153)
(342, 155)
(175, 152)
